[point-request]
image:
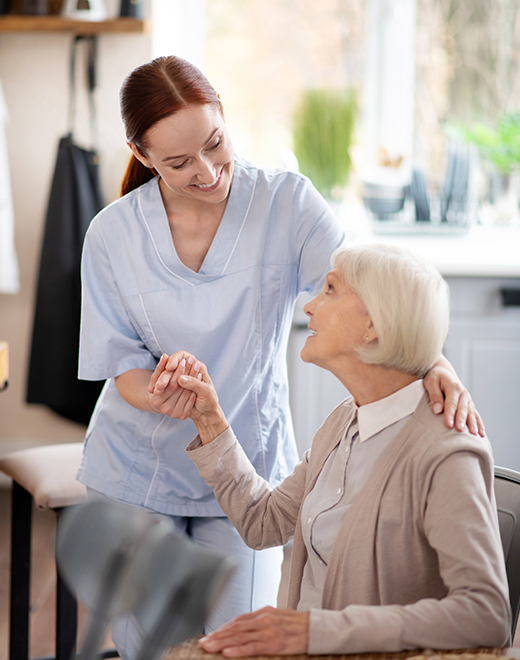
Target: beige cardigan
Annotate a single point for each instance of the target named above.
(417, 562)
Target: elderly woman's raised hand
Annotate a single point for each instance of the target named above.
(268, 631)
(206, 412)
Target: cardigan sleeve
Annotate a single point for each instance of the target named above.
(460, 524)
(263, 516)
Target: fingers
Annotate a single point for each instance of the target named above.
(168, 378)
(191, 383)
(187, 398)
(161, 377)
(174, 360)
(164, 374)
(159, 370)
(437, 404)
(460, 412)
(447, 393)
(467, 415)
(268, 631)
(480, 422)
(433, 387)
(456, 409)
(167, 397)
(167, 366)
(176, 399)
(180, 399)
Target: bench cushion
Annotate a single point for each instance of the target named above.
(48, 473)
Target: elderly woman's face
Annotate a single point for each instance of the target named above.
(339, 323)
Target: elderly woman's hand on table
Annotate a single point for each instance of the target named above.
(267, 631)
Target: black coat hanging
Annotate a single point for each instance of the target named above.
(74, 200)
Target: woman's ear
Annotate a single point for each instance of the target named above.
(221, 107)
(142, 159)
(370, 331)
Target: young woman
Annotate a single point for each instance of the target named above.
(204, 254)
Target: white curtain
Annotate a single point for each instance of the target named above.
(9, 276)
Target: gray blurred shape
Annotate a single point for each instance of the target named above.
(118, 559)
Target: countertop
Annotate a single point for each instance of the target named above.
(483, 251)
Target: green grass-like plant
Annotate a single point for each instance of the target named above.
(322, 132)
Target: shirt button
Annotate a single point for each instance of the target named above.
(309, 521)
(338, 491)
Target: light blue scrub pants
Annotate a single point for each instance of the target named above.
(254, 583)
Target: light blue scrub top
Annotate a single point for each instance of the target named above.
(140, 301)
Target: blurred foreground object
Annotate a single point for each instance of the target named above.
(118, 559)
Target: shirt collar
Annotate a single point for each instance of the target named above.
(376, 416)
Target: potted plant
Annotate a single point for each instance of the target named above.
(500, 146)
(322, 133)
(500, 150)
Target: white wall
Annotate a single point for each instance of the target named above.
(180, 29)
(34, 76)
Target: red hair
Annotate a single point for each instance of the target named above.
(152, 92)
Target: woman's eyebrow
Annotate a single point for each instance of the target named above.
(165, 160)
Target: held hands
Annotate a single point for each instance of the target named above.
(268, 631)
(180, 387)
(165, 394)
(441, 383)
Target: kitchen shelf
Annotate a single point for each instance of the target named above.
(13, 23)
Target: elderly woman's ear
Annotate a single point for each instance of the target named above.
(371, 333)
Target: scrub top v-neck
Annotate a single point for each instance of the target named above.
(140, 301)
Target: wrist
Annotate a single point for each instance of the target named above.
(211, 426)
(443, 363)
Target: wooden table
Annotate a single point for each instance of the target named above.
(191, 651)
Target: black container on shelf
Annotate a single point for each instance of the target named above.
(35, 7)
(132, 8)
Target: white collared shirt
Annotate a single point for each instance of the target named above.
(346, 470)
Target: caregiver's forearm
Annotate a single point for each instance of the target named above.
(132, 385)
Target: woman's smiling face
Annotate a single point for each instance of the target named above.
(192, 152)
(338, 323)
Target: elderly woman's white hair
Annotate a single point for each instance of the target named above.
(407, 300)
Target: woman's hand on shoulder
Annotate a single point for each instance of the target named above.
(268, 631)
(448, 394)
(165, 395)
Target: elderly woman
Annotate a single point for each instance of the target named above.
(396, 541)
